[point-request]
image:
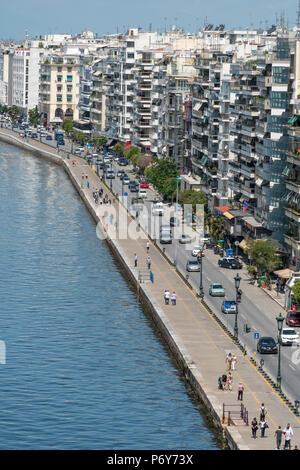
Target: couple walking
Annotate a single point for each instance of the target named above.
(167, 297)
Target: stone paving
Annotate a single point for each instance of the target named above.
(201, 340)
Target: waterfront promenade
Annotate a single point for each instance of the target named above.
(197, 341)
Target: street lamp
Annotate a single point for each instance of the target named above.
(178, 179)
(201, 292)
(279, 320)
(237, 281)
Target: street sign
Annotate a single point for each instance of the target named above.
(256, 335)
(227, 304)
(125, 194)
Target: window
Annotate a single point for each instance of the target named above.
(69, 69)
(69, 98)
(59, 78)
(59, 69)
(69, 88)
(59, 98)
(69, 78)
(59, 88)
(130, 55)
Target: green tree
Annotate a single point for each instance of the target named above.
(159, 175)
(190, 196)
(143, 162)
(263, 255)
(216, 228)
(296, 292)
(34, 116)
(67, 125)
(13, 112)
(119, 148)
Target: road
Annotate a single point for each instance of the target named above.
(256, 309)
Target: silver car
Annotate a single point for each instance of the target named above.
(228, 306)
(192, 266)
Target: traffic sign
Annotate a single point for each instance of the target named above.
(125, 194)
(256, 335)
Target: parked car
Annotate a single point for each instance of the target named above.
(216, 290)
(289, 336)
(165, 228)
(158, 208)
(267, 345)
(126, 179)
(34, 135)
(142, 193)
(133, 187)
(165, 237)
(120, 173)
(292, 318)
(228, 306)
(192, 266)
(185, 238)
(123, 162)
(230, 263)
(78, 150)
(144, 183)
(49, 137)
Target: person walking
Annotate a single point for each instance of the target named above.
(224, 381)
(229, 381)
(233, 362)
(278, 435)
(288, 433)
(167, 297)
(148, 246)
(254, 427)
(263, 426)
(240, 391)
(173, 298)
(135, 260)
(149, 262)
(262, 412)
(228, 361)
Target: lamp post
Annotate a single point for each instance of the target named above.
(279, 320)
(201, 292)
(178, 179)
(237, 281)
(111, 174)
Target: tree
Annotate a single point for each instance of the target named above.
(132, 154)
(34, 116)
(159, 175)
(67, 125)
(143, 162)
(119, 148)
(13, 112)
(263, 255)
(296, 292)
(190, 196)
(216, 228)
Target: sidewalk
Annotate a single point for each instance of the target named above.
(201, 342)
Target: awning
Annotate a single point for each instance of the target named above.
(223, 208)
(128, 145)
(56, 119)
(287, 170)
(251, 222)
(203, 160)
(284, 273)
(228, 215)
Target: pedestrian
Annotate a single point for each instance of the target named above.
(224, 381)
(167, 297)
(229, 381)
(135, 260)
(173, 298)
(240, 391)
(149, 262)
(220, 383)
(288, 433)
(278, 435)
(228, 361)
(263, 426)
(254, 427)
(262, 412)
(233, 362)
(148, 246)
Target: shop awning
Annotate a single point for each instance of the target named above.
(203, 160)
(197, 107)
(228, 215)
(284, 273)
(223, 208)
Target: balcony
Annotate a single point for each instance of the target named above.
(292, 242)
(293, 214)
(293, 186)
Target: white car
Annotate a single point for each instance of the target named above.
(158, 208)
(196, 250)
(142, 193)
(289, 336)
(78, 150)
(106, 159)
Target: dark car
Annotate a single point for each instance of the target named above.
(49, 137)
(61, 142)
(34, 135)
(133, 187)
(229, 263)
(292, 318)
(267, 345)
(123, 162)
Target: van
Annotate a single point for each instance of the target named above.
(165, 237)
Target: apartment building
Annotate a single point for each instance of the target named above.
(59, 88)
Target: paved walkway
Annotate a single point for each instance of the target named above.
(202, 341)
